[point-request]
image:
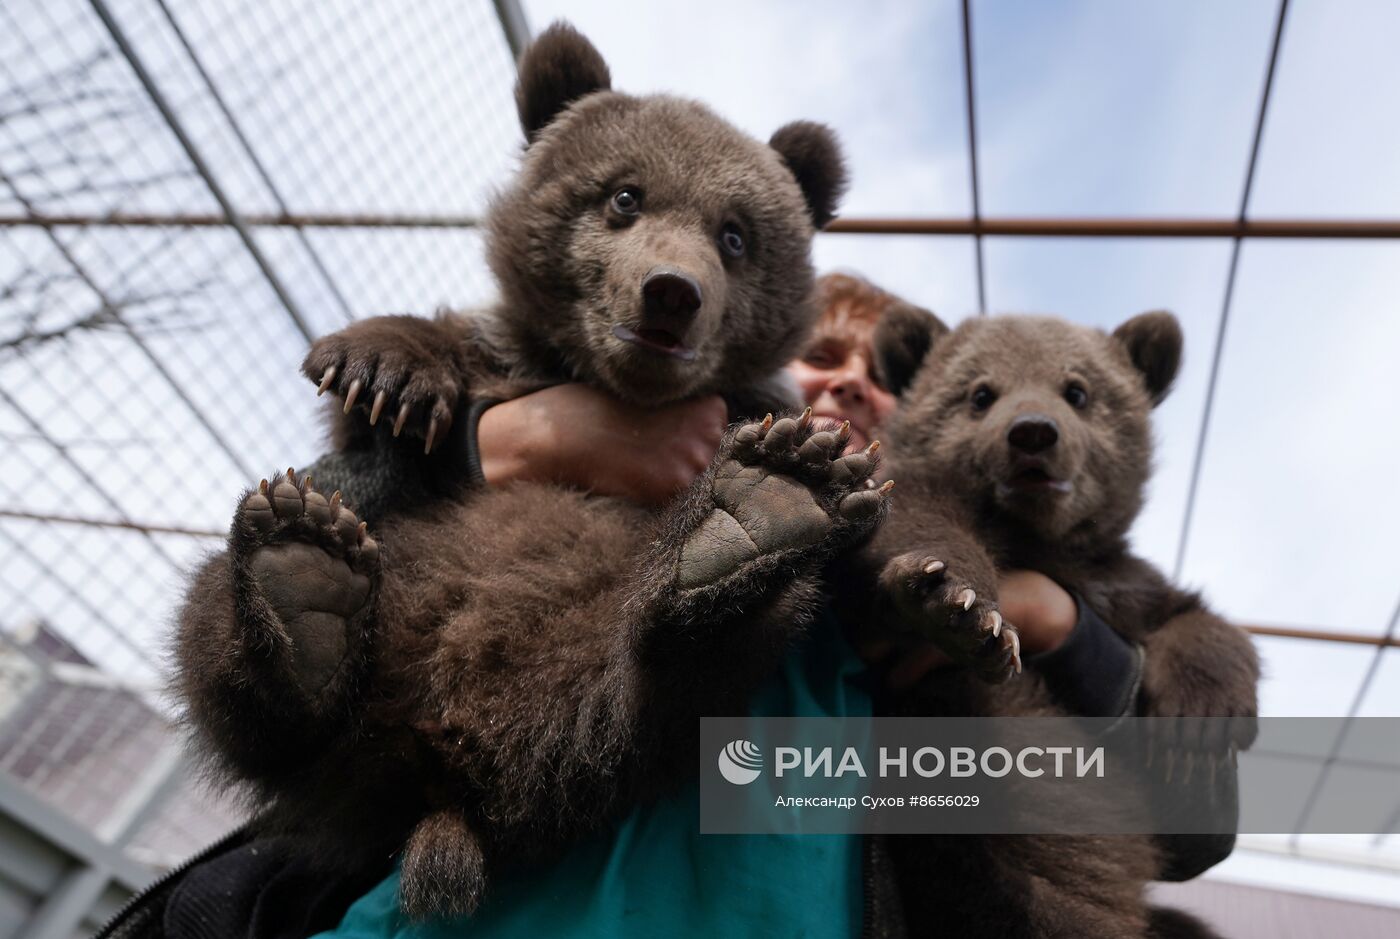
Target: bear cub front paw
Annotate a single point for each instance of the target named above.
(782, 486)
(942, 607)
(404, 366)
(312, 566)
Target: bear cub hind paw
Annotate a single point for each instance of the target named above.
(782, 487)
(313, 563)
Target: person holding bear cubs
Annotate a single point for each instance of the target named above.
(516, 673)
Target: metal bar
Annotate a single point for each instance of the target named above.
(1008, 227)
(112, 523)
(116, 310)
(1218, 352)
(247, 145)
(1278, 632)
(82, 472)
(1315, 852)
(96, 866)
(1322, 635)
(116, 632)
(61, 912)
(192, 152)
(253, 220)
(160, 778)
(53, 827)
(972, 156)
(514, 25)
(1356, 702)
(1089, 227)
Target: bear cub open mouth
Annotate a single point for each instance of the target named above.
(656, 340)
(1035, 479)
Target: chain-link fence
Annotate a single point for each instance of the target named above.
(189, 192)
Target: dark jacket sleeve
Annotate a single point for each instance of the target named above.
(1098, 673)
(471, 461)
(387, 475)
(1095, 672)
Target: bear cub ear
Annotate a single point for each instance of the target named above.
(1153, 342)
(557, 69)
(812, 154)
(903, 337)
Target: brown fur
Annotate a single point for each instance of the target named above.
(525, 662)
(571, 269)
(954, 460)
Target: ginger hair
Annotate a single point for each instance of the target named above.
(851, 307)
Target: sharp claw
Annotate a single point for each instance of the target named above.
(432, 433)
(843, 433)
(873, 449)
(360, 532)
(379, 398)
(326, 380)
(933, 567)
(352, 394)
(805, 419)
(996, 623)
(767, 423)
(967, 598)
(335, 503)
(888, 485)
(291, 475)
(401, 419)
(307, 485)
(262, 487)
(1016, 650)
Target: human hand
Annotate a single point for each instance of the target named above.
(579, 436)
(1041, 610)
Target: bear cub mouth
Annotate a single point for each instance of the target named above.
(1036, 479)
(660, 341)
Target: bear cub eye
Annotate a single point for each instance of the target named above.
(983, 397)
(731, 240)
(1075, 394)
(627, 201)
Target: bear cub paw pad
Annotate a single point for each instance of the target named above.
(313, 561)
(784, 486)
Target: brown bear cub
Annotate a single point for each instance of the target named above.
(492, 675)
(1025, 442)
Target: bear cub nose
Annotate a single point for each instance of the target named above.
(670, 299)
(1033, 433)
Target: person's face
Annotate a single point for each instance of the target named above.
(837, 378)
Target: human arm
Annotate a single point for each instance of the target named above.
(581, 437)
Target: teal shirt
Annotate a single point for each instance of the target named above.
(655, 874)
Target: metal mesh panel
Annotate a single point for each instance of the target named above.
(149, 365)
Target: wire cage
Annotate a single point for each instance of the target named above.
(162, 167)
